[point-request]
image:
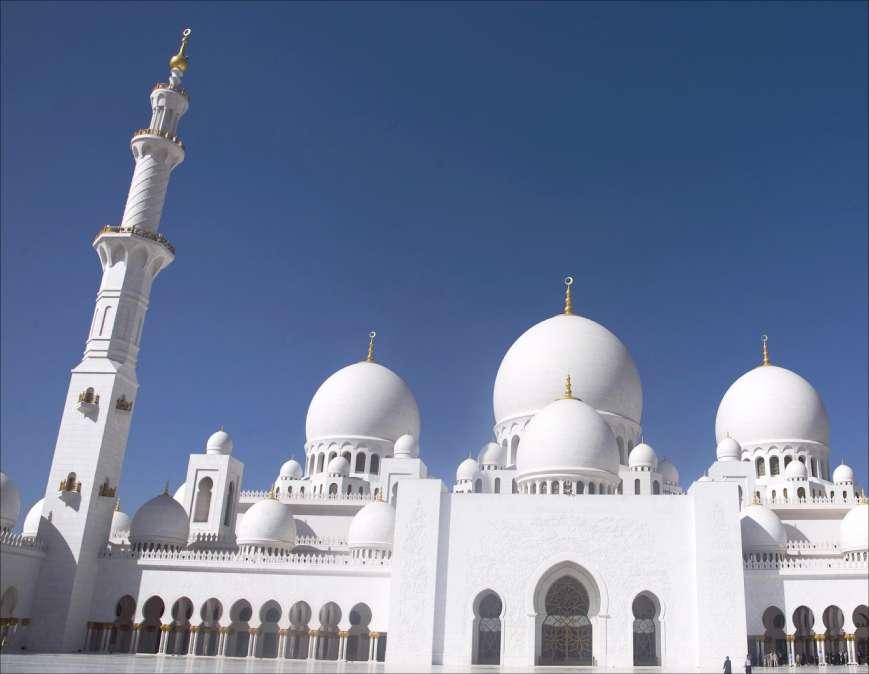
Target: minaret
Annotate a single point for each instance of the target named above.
(86, 467)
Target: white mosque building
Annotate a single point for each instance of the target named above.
(566, 541)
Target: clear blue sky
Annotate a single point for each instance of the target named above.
(432, 171)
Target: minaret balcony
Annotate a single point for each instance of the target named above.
(177, 88)
(136, 231)
(159, 134)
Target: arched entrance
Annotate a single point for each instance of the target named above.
(861, 633)
(300, 615)
(834, 636)
(358, 644)
(804, 638)
(487, 629)
(565, 634)
(774, 639)
(647, 640)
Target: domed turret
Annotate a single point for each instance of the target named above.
(372, 528)
(162, 521)
(643, 457)
(30, 528)
(338, 467)
(854, 529)
(843, 474)
(10, 502)
(796, 470)
(121, 523)
(772, 404)
(467, 470)
(406, 447)
(568, 438)
(363, 400)
(668, 471)
(268, 524)
(291, 470)
(728, 450)
(493, 455)
(762, 530)
(219, 443)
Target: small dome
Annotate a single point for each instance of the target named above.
(219, 443)
(843, 474)
(268, 523)
(770, 403)
(643, 456)
(493, 454)
(704, 478)
(31, 522)
(373, 527)
(467, 470)
(796, 470)
(567, 436)
(180, 495)
(762, 530)
(406, 447)
(120, 528)
(162, 520)
(291, 469)
(338, 466)
(854, 529)
(363, 400)
(728, 450)
(668, 471)
(10, 502)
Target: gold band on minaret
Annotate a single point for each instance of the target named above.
(370, 357)
(179, 61)
(568, 298)
(568, 390)
(765, 349)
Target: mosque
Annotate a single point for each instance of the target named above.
(358, 554)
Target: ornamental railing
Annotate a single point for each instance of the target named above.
(321, 541)
(138, 231)
(253, 495)
(239, 558)
(159, 134)
(168, 85)
(11, 540)
(811, 500)
(812, 548)
(776, 562)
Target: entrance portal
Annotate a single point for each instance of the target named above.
(566, 632)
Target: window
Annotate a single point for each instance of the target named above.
(487, 637)
(497, 485)
(656, 487)
(773, 465)
(360, 462)
(203, 500)
(760, 466)
(637, 486)
(230, 497)
(478, 485)
(375, 464)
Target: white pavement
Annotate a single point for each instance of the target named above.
(10, 664)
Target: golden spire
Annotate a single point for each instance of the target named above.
(179, 61)
(765, 349)
(568, 298)
(568, 391)
(370, 357)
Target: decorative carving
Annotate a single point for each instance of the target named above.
(70, 484)
(123, 404)
(137, 231)
(160, 134)
(88, 397)
(106, 490)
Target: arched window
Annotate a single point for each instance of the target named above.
(328, 639)
(346, 457)
(230, 497)
(802, 458)
(497, 485)
(487, 629)
(358, 640)
(203, 500)
(637, 486)
(814, 467)
(375, 464)
(591, 487)
(621, 444)
(805, 645)
(784, 494)
(543, 488)
(788, 459)
(349, 489)
(566, 632)
(656, 487)
(554, 489)
(773, 494)
(580, 487)
(320, 459)
(149, 630)
(801, 493)
(533, 488)
(107, 315)
(646, 642)
(478, 485)
(297, 635)
(773, 465)
(515, 487)
(333, 489)
(360, 462)
(267, 640)
(332, 455)
(760, 466)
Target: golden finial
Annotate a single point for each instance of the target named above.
(862, 500)
(271, 493)
(568, 298)
(755, 500)
(764, 340)
(568, 391)
(370, 357)
(179, 61)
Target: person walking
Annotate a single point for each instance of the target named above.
(747, 663)
(727, 666)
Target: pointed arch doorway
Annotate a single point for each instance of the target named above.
(566, 602)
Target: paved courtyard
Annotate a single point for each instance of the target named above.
(10, 664)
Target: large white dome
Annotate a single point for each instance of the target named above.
(268, 523)
(772, 404)
(565, 437)
(762, 530)
(603, 373)
(162, 520)
(10, 502)
(854, 529)
(291, 469)
(372, 527)
(363, 400)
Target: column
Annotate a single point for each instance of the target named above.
(372, 646)
(251, 642)
(312, 644)
(849, 641)
(789, 638)
(342, 644)
(191, 645)
(105, 637)
(164, 638)
(223, 634)
(11, 634)
(134, 637)
(87, 637)
(282, 644)
(819, 647)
